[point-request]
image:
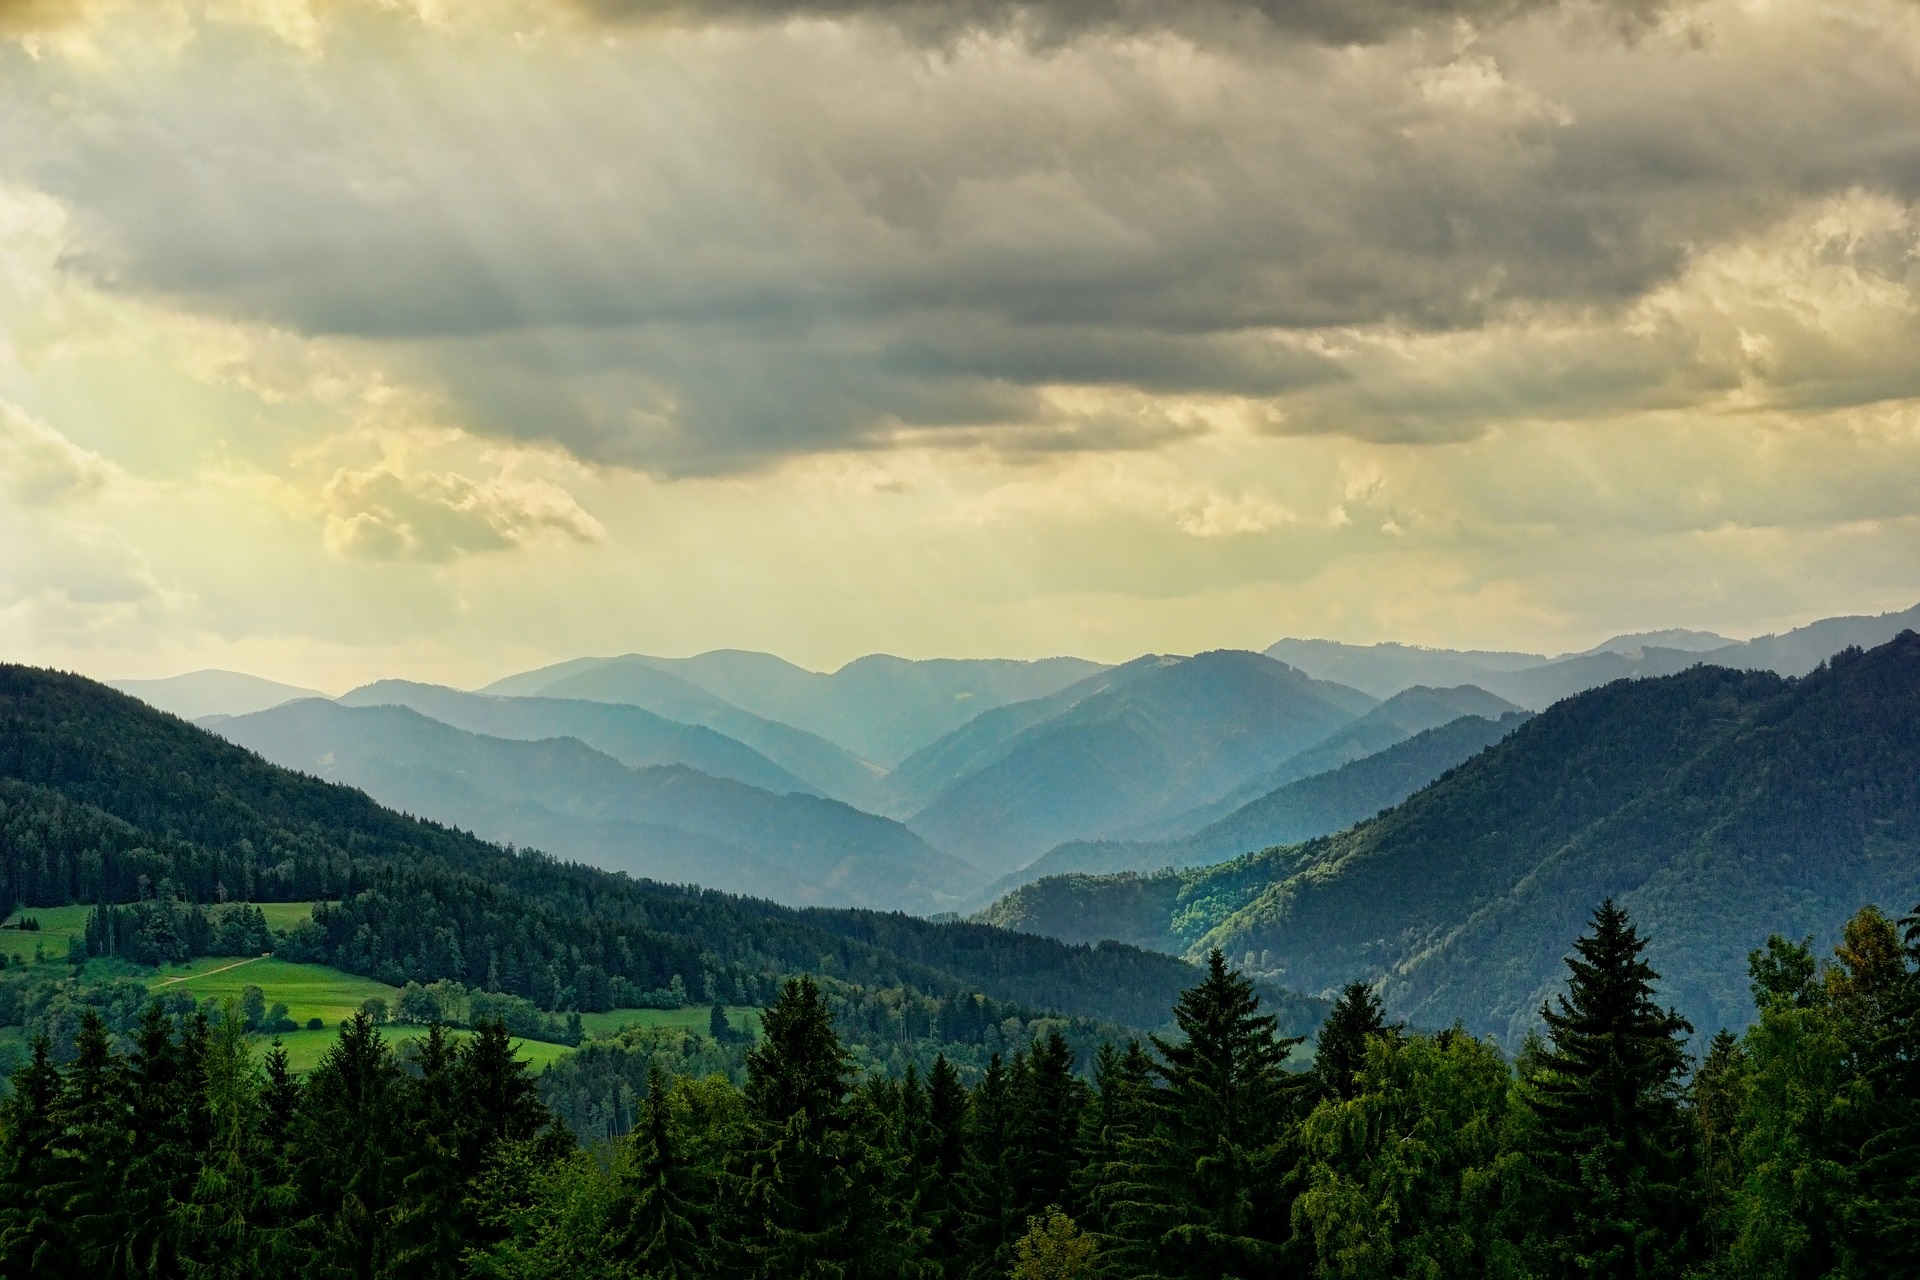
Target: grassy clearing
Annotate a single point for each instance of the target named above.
(308, 990)
(57, 924)
(306, 1048)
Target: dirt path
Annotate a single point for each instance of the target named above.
(189, 977)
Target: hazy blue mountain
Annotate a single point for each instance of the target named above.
(1300, 810)
(1716, 805)
(1176, 732)
(634, 681)
(633, 736)
(1385, 669)
(988, 737)
(212, 693)
(1671, 638)
(880, 708)
(1536, 681)
(1400, 717)
(560, 795)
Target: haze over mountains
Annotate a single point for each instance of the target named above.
(1704, 802)
(937, 786)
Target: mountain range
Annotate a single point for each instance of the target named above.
(664, 822)
(1706, 802)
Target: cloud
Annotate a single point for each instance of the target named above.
(39, 466)
(703, 251)
(379, 514)
(1053, 21)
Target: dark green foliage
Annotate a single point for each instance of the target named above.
(1611, 1151)
(1341, 1049)
(172, 1149)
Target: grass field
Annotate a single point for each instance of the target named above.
(308, 990)
(57, 924)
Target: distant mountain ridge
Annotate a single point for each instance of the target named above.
(211, 692)
(879, 707)
(666, 823)
(1536, 681)
(1174, 733)
(1712, 803)
(635, 737)
(1318, 805)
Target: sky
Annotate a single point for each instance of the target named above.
(443, 338)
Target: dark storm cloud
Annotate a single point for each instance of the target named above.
(1046, 21)
(704, 252)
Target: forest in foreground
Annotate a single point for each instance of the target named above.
(1602, 1150)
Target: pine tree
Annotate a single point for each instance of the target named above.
(942, 1161)
(1341, 1052)
(662, 1221)
(35, 1243)
(1113, 1137)
(1043, 1136)
(432, 1222)
(92, 1149)
(225, 1226)
(348, 1156)
(800, 1174)
(1614, 1150)
(1215, 1155)
(988, 1223)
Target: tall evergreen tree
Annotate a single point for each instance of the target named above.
(1614, 1152)
(349, 1155)
(35, 1243)
(92, 1149)
(1216, 1155)
(801, 1173)
(989, 1224)
(1044, 1130)
(662, 1221)
(942, 1161)
(1341, 1051)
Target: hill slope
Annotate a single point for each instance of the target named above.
(1714, 804)
(631, 735)
(1177, 733)
(1409, 712)
(1315, 806)
(105, 798)
(665, 823)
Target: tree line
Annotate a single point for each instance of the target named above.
(1602, 1150)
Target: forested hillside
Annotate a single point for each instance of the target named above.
(1604, 1150)
(1313, 806)
(103, 799)
(1715, 803)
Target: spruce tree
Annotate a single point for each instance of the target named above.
(348, 1154)
(1044, 1130)
(661, 1224)
(35, 1243)
(432, 1220)
(942, 1160)
(1226, 1103)
(800, 1173)
(988, 1224)
(1341, 1052)
(92, 1149)
(1614, 1151)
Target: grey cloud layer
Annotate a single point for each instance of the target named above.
(1049, 21)
(698, 254)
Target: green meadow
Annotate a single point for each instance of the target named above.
(308, 990)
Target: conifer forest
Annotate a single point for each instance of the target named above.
(1607, 1147)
